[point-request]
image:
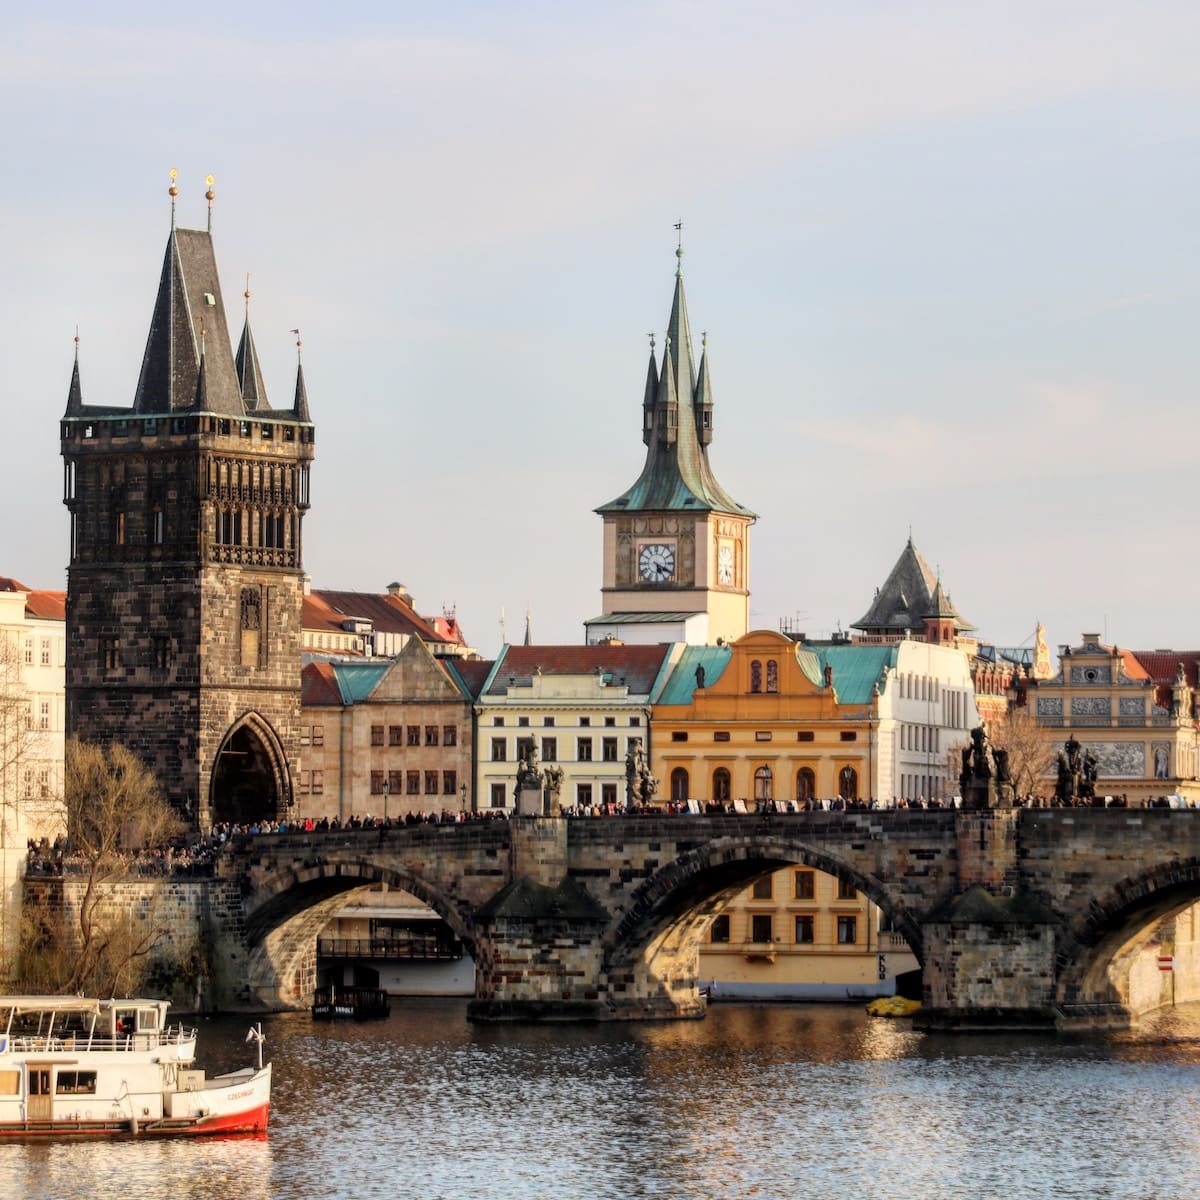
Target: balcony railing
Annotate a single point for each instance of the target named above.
(416, 949)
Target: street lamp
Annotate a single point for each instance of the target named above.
(387, 787)
(463, 805)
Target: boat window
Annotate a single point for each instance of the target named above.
(147, 1020)
(39, 1082)
(10, 1083)
(76, 1083)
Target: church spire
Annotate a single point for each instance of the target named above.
(677, 427)
(249, 373)
(300, 406)
(75, 392)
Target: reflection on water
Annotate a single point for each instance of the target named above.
(753, 1101)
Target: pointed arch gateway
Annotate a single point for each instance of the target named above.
(250, 778)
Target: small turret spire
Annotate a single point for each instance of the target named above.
(528, 628)
(75, 392)
(249, 373)
(300, 406)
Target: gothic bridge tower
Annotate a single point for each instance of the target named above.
(184, 588)
(676, 544)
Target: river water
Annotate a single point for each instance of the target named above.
(781, 1101)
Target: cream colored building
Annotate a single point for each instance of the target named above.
(32, 720)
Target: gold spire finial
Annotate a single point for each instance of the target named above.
(298, 342)
(652, 341)
(210, 196)
(246, 293)
(679, 246)
(173, 191)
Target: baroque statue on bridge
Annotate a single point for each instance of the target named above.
(985, 781)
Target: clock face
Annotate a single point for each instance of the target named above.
(656, 562)
(725, 564)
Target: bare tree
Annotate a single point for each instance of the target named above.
(114, 810)
(1031, 750)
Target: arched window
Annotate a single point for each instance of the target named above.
(679, 784)
(806, 784)
(772, 675)
(848, 783)
(755, 676)
(720, 786)
(762, 784)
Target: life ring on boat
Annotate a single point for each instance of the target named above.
(145, 1112)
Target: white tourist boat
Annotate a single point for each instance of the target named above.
(76, 1067)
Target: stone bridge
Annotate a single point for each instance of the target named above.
(1020, 918)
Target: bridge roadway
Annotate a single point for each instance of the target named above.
(1020, 917)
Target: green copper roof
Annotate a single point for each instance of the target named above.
(682, 683)
(357, 680)
(677, 427)
(856, 669)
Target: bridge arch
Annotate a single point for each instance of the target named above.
(665, 924)
(297, 902)
(1099, 946)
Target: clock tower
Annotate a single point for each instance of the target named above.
(676, 544)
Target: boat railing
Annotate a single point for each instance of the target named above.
(173, 1035)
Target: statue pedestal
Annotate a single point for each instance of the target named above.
(529, 802)
(986, 793)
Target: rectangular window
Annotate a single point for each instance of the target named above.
(762, 735)
(846, 890)
(45, 652)
(449, 735)
(43, 714)
(497, 720)
(431, 783)
(523, 722)
(805, 885)
(762, 889)
(804, 929)
(849, 735)
(635, 722)
(583, 793)
(395, 735)
(760, 927)
(548, 722)
(111, 648)
(609, 722)
(608, 793)
(847, 931)
(805, 735)
(499, 750)
(584, 722)
(412, 783)
(318, 782)
(549, 749)
(721, 735)
(29, 652)
(497, 795)
(608, 749)
(720, 929)
(583, 749)
(318, 735)
(305, 782)
(76, 1083)
(679, 735)
(395, 782)
(162, 653)
(413, 735)
(377, 783)
(449, 783)
(431, 735)
(376, 735)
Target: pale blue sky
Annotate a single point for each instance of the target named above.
(946, 255)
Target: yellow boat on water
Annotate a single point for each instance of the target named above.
(893, 1006)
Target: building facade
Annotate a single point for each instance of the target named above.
(185, 556)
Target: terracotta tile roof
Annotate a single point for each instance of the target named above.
(11, 585)
(1161, 665)
(1134, 666)
(472, 672)
(49, 606)
(327, 610)
(636, 666)
(319, 687)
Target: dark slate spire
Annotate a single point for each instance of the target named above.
(249, 373)
(189, 296)
(300, 408)
(200, 400)
(677, 429)
(75, 392)
(649, 398)
(528, 628)
(910, 593)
